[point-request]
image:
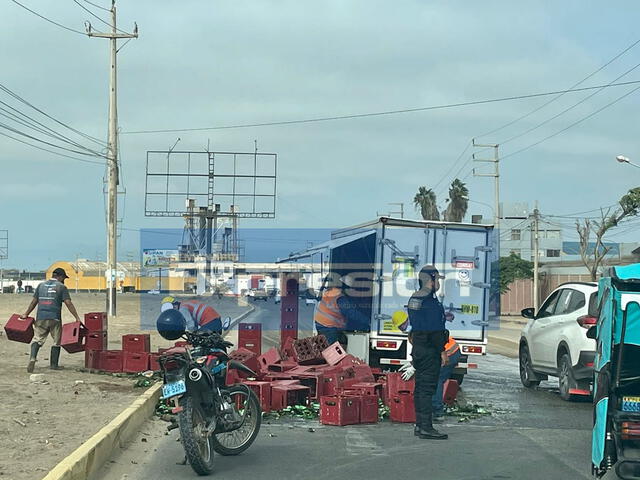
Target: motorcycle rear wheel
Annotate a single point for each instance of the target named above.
(197, 444)
(238, 440)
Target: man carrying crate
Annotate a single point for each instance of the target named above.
(49, 297)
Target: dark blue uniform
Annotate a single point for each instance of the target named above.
(428, 336)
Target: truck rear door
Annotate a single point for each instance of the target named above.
(463, 256)
(402, 250)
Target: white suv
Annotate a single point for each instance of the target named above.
(554, 342)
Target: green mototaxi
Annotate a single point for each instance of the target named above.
(616, 396)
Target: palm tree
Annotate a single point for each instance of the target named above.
(425, 202)
(458, 202)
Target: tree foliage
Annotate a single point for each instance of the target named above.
(593, 258)
(509, 269)
(458, 202)
(425, 203)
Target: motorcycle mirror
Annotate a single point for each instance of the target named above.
(226, 323)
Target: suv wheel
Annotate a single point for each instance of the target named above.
(526, 373)
(565, 377)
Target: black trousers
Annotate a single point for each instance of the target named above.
(427, 347)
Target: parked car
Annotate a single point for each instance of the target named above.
(259, 294)
(554, 342)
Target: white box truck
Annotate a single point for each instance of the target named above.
(385, 256)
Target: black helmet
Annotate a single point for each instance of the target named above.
(171, 324)
(428, 272)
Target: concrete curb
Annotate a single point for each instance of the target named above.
(242, 316)
(92, 454)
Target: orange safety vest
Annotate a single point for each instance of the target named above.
(451, 347)
(201, 312)
(327, 311)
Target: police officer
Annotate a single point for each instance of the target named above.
(428, 337)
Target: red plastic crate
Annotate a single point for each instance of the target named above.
(270, 357)
(92, 359)
(232, 376)
(401, 408)
(140, 343)
(154, 363)
(247, 358)
(286, 350)
(313, 380)
(450, 391)
(283, 396)
(369, 409)
(397, 385)
(262, 391)
(111, 360)
(339, 410)
(181, 343)
(95, 321)
(282, 366)
(363, 373)
(349, 361)
(72, 338)
(368, 388)
(334, 354)
(134, 362)
(250, 337)
(19, 330)
(96, 341)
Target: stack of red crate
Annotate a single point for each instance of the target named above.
(136, 349)
(250, 337)
(95, 340)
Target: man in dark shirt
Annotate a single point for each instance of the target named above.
(49, 297)
(428, 338)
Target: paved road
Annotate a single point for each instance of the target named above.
(531, 435)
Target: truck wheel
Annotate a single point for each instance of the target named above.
(526, 372)
(565, 378)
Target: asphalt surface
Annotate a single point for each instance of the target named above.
(530, 434)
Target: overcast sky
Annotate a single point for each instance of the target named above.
(213, 63)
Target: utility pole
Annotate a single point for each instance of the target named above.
(536, 256)
(112, 156)
(496, 175)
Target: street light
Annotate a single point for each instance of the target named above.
(623, 159)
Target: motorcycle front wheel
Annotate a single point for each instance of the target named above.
(247, 406)
(195, 439)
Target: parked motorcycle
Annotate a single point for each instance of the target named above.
(212, 416)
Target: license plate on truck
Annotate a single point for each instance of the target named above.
(172, 389)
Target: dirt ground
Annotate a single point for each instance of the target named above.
(41, 423)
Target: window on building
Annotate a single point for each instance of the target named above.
(515, 234)
(553, 253)
(554, 234)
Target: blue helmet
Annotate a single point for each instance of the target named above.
(171, 324)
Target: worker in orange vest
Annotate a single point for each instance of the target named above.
(336, 312)
(198, 315)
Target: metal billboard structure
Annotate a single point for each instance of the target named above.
(242, 185)
(211, 191)
(4, 244)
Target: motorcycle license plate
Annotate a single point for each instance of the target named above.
(631, 404)
(172, 389)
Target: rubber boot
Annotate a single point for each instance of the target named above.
(35, 346)
(426, 431)
(55, 358)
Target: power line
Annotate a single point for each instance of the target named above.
(31, 137)
(453, 165)
(382, 113)
(97, 6)
(566, 109)
(48, 19)
(562, 94)
(571, 125)
(96, 16)
(52, 151)
(40, 127)
(22, 100)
